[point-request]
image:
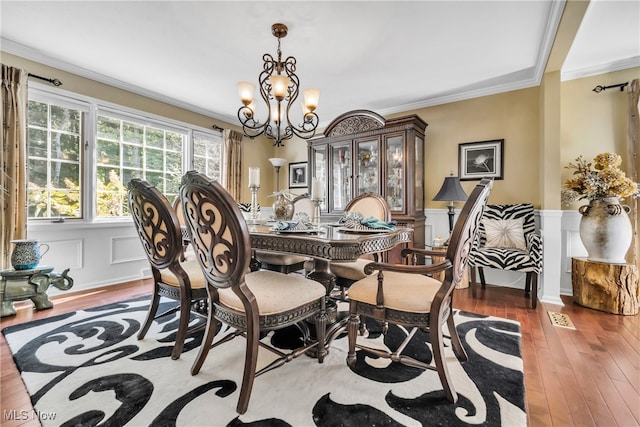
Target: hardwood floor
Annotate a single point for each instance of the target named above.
(584, 377)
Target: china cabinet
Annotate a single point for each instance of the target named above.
(361, 152)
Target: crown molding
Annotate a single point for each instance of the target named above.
(610, 67)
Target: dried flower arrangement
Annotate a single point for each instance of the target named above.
(601, 179)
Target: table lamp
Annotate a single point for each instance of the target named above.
(451, 191)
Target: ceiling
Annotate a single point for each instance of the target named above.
(386, 56)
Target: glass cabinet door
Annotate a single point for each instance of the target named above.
(341, 175)
(395, 173)
(319, 162)
(367, 166)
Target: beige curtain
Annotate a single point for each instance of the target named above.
(233, 153)
(13, 160)
(633, 166)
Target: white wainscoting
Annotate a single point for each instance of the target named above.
(97, 254)
(104, 254)
(561, 241)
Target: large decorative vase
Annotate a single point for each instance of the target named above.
(605, 230)
(282, 208)
(26, 254)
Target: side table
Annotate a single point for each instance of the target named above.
(19, 285)
(464, 283)
(606, 287)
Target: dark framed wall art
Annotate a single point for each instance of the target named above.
(483, 159)
(298, 175)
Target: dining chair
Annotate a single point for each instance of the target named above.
(176, 273)
(408, 296)
(252, 303)
(287, 263)
(370, 205)
(508, 240)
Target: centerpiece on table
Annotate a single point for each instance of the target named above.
(605, 228)
(283, 206)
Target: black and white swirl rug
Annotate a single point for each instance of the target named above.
(88, 368)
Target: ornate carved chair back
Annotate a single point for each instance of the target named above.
(370, 204)
(465, 233)
(303, 203)
(221, 243)
(157, 225)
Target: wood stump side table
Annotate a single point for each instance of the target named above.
(612, 288)
(19, 285)
(464, 283)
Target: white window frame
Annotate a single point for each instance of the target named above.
(94, 107)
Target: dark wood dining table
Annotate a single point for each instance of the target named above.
(329, 242)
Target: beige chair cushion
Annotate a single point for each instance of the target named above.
(402, 291)
(304, 205)
(350, 270)
(369, 206)
(279, 259)
(191, 267)
(275, 292)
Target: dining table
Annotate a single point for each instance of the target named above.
(326, 243)
(323, 244)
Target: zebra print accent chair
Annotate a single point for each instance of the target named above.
(526, 257)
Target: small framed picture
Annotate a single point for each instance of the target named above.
(484, 159)
(298, 176)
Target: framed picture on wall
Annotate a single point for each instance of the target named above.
(298, 175)
(483, 159)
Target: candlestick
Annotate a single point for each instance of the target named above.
(254, 202)
(317, 189)
(315, 218)
(254, 177)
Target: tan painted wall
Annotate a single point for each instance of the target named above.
(512, 116)
(594, 123)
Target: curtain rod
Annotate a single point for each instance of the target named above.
(54, 82)
(600, 88)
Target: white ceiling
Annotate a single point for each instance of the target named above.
(386, 56)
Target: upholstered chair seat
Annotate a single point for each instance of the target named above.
(191, 267)
(350, 271)
(267, 285)
(410, 294)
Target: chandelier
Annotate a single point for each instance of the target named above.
(279, 88)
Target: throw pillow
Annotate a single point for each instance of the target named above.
(505, 233)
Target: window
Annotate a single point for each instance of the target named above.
(127, 149)
(82, 154)
(207, 152)
(55, 160)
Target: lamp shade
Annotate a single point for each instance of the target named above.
(451, 191)
(277, 161)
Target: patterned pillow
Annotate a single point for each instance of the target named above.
(505, 233)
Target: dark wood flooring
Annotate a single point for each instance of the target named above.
(584, 377)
